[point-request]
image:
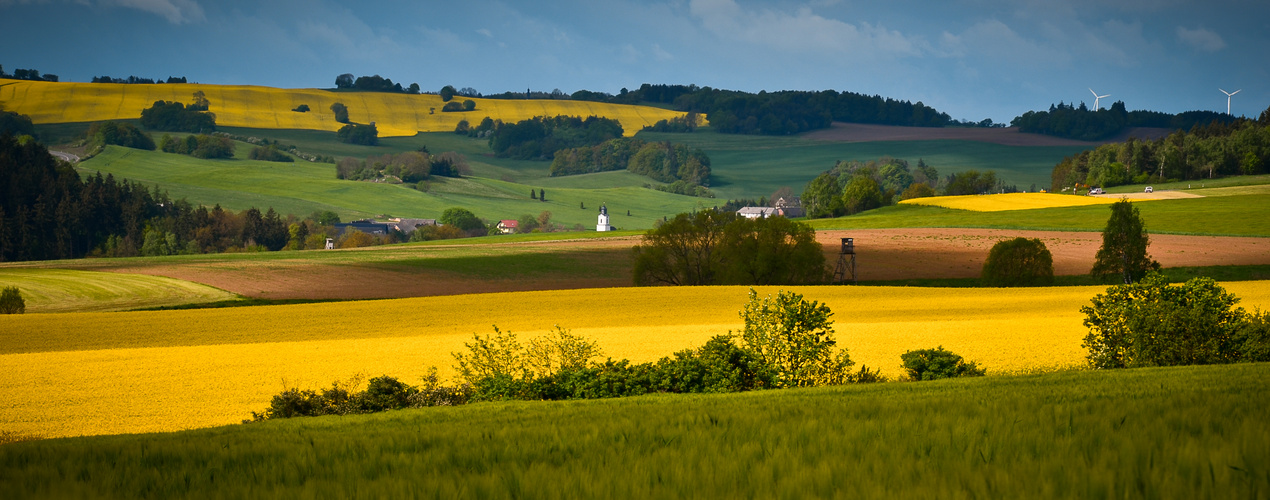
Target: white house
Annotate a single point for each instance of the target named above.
(508, 226)
(603, 223)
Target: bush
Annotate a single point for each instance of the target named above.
(365, 135)
(341, 112)
(1018, 262)
(1151, 323)
(11, 301)
(452, 106)
(469, 105)
(119, 134)
(303, 108)
(270, 153)
(175, 117)
(199, 146)
(934, 364)
(795, 337)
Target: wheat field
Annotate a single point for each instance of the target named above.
(248, 106)
(127, 372)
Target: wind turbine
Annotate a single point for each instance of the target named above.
(1097, 97)
(1228, 94)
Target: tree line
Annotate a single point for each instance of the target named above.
(661, 161)
(540, 137)
(1082, 123)
(28, 74)
(138, 80)
(1220, 148)
(778, 113)
(408, 167)
(374, 83)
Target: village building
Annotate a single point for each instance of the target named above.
(791, 207)
(508, 226)
(408, 226)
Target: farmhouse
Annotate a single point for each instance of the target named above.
(508, 226)
(757, 212)
(792, 207)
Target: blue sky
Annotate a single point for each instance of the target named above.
(973, 59)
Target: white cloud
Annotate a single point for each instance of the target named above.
(660, 54)
(802, 30)
(175, 11)
(995, 42)
(1201, 39)
(485, 32)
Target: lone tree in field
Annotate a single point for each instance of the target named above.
(1123, 254)
(1018, 262)
(341, 112)
(11, 301)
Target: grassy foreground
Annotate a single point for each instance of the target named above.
(1194, 432)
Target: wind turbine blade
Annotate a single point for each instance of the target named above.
(1236, 92)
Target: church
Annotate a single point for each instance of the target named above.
(603, 223)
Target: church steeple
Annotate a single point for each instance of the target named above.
(603, 223)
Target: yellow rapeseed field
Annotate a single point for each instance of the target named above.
(1010, 201)
(105, 373)
(270, 108)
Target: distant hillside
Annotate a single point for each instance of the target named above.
(272, 108)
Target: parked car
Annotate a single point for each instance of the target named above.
(1097, 190)
(1149, 190)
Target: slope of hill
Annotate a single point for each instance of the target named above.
(271, 108)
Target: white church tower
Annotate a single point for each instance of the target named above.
(603, 223)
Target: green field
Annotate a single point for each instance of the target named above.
(753, 166)
(1218, 215)
(1191, 432)
(301, 188)
(60, 290)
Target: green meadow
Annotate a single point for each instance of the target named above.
(1190, 432)
(1217, 215)
(62, 290)
(301, 188)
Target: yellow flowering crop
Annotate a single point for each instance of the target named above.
(1010, 201)
(271, 108)
(104, 373)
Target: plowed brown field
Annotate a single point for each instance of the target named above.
(881, 254)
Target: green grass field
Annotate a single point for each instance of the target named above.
(750, 166)
(60, 290)
(301, 188)
(1192, 432)
(1218, 215)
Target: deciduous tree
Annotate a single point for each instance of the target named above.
(1123, 255)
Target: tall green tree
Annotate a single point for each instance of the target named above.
(720, 248)
(823, 197)
(1123, 255)
(861, 193)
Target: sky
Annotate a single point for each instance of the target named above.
(973, 59)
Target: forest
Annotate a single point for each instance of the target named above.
(539, 138)
(1220, 148)
(1081, 123)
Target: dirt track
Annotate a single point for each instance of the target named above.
(881, 254)
(855, 132)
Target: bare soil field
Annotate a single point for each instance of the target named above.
(855, 132)
(897, 254)
(881, 254)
